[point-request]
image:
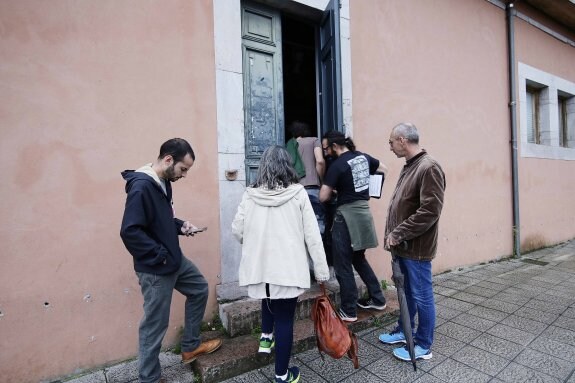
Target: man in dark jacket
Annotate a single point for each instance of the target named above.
(411, 234)
(150, 233)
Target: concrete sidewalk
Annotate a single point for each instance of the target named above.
(509, 321)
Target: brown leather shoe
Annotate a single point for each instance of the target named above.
(206, 347)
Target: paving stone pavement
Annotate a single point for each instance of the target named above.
(508, 321)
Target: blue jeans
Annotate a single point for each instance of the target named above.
(278, 317)
(344, 261)
(318, 208)
(419, 296)
(157, 292)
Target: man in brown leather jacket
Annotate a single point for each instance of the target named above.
(411, 234)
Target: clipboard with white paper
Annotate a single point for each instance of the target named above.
(376, 184)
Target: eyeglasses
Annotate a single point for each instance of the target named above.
(325, 148)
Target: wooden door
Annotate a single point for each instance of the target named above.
(263, 81)
(263, 89)
(329, 58)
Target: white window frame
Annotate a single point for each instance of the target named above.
(532, 108)
(566, 119)
(550, 88)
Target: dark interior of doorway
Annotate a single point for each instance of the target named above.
(299, 73)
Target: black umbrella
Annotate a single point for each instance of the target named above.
(398, 280)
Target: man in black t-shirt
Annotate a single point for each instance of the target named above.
(353, 230)
(349, 175)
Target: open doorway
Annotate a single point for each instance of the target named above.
(291, 71)
(299, 73)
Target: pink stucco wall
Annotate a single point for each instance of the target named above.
(89, 89)
(444, 68)
(547, 186)
(92, 88)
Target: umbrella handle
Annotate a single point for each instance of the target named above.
(402, 245)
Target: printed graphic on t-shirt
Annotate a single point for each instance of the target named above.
(360, 172)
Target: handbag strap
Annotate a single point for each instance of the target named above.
(322, 286)
(324, 293)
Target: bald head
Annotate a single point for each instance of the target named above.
(404, 140)
(407, 130)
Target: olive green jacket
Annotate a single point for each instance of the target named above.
(292, 148)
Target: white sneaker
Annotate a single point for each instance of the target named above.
(346, 318)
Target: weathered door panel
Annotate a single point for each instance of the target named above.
(330, 97)
(263, 89)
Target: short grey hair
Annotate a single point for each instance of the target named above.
(407, 130)
(276, 170)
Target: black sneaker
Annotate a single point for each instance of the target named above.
(370, 304)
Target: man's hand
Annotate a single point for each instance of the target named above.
(390, 241)
(188, 228)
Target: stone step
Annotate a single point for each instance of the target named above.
(242, 316)
(239, 354)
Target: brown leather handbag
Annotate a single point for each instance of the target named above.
(332, 335)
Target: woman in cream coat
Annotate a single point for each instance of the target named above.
(277, 227)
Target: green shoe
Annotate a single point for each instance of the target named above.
(266, 345)
(292, 376)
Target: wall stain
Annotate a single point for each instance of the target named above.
(27, 176)
(72, 172)
(533, 242)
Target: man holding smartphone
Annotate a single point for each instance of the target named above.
(150, 233)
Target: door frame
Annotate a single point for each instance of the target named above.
(230, 118)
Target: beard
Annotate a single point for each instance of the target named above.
(171, 174)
